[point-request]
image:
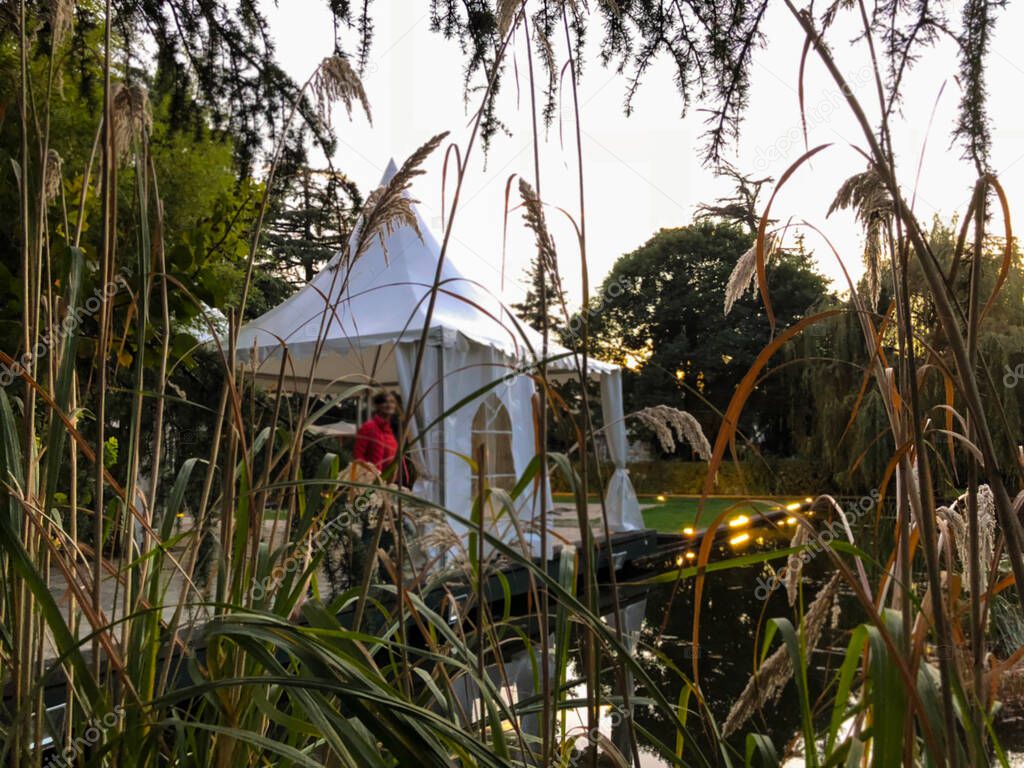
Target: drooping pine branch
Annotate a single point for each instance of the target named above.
(973, 126)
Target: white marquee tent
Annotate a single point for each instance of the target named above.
(363, 324)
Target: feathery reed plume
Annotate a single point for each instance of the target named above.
(388, 207)
(865, 193)
(335, 80)
(986, 525)
(744, 274)
(956, 521)
(132, 116)
(62, 14)
(795, 564)
(507, 11)
(672, 425)
(360, 474)
(439, 536)
(872, 259)
(533, 215)
(51, 184)
(767, 683)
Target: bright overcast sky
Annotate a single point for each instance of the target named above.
(643, 172)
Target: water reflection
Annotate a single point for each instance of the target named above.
(730, 615)
(657, 626)
(732, 623)
(517, 679)
(633, 617)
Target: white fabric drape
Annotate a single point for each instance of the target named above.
(517, 393)
(469, 368)
(620, 498)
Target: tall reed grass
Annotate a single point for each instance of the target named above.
(224, 675)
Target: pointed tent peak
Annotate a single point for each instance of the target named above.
(389, 172)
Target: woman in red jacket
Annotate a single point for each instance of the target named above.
(377, 444)
(376, 441)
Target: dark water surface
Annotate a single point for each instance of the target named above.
(734, 616)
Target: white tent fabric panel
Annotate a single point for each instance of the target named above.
(620, 498)
(428, 451)
(453, 374)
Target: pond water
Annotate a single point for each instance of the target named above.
(735, 610)
(732, 623)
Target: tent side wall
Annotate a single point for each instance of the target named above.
(457, 371)
(620, 498)
(461, 370)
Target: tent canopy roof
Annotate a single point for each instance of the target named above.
(360, 309)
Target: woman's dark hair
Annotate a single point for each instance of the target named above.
(380, 397)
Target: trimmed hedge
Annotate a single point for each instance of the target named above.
(770, 477)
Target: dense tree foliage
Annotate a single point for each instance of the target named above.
(710, 44)
(207, 209)
(197, 97)
(660, 313)
(312, 214)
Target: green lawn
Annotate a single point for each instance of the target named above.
(678, 512)
(675, 514)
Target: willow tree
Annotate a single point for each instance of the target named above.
(846, 429)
